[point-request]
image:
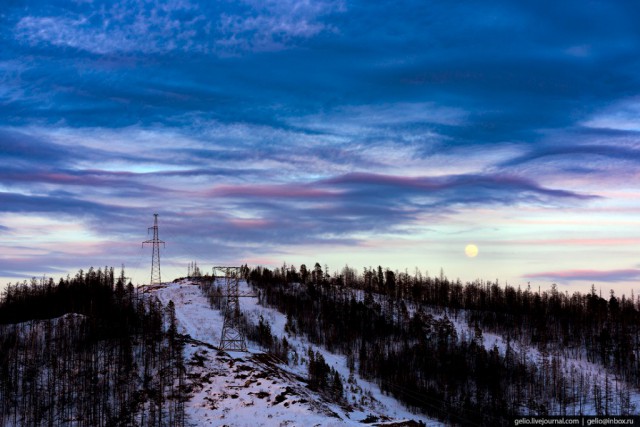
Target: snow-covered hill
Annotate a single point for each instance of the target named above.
(254, 389)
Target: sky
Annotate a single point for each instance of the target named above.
(358, 133)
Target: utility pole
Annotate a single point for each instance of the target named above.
(232, 337)
(155, 256)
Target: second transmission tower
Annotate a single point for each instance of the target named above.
(155, 256)
(232, 337)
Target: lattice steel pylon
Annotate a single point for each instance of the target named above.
(232, 337)
(155, 256)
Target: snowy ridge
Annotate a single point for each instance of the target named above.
(253, 388)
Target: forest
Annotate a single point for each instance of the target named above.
(93, 350)
(90, 351)
(399, 330)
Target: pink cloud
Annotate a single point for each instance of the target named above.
(578, 242)
(587, 275)
(250, 223)
(280, 191)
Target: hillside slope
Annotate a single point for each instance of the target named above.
(253, 388)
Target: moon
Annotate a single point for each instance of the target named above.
(471, 250)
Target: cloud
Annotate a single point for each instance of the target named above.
(457, 189)
(160, 27)
(624, 115)
(274, 24)
(581, 242)
(334, 208)
(346, 205)
(119, 182)
(411, 123)
(610, 151)
(68, 205)
(19, 148)
(256, 127)
(609, 276)
(58, 262)
(284, 191)
(126, 26)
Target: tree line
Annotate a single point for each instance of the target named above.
(89, 350)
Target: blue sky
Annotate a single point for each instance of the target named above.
(344, 132)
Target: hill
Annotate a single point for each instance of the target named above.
(238, 388)
(93, 350)
(380, 348)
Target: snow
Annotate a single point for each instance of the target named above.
(376, 402)
(572, 362)
(250, 389)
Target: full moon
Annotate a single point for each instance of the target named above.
(471, 250)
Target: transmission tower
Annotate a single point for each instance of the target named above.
(232, 337)
(155, 256)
